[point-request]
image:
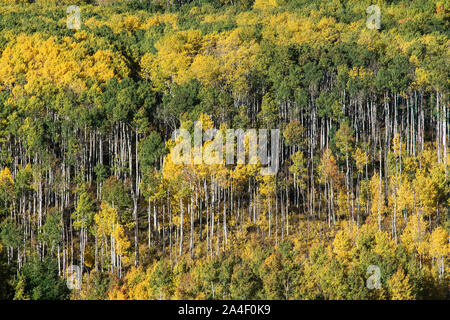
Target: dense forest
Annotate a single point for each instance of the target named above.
(87, 176)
